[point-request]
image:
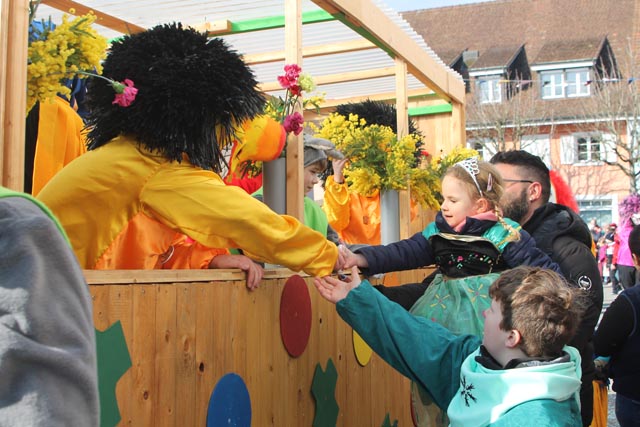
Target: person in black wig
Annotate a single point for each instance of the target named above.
(148, 193)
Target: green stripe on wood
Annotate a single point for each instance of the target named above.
(364, 33)
(271, 22)
(431, 109)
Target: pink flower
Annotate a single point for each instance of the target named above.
(293, 123)
(290, 78)
(125, 95)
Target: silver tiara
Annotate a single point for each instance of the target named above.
(471, 166)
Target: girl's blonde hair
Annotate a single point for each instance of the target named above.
(483, 180)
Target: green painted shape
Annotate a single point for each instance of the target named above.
(364, 33)
(431, 109)
(387, 422)
(271, 22)
(113, 361)
(323, 389)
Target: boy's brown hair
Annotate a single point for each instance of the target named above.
(539, 304)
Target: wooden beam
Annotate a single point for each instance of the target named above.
(13, 103)
(311, 51)
(365, 14)
(338, 78)
(113, 277)
(388, 96)
(104, 19)
(295, 150)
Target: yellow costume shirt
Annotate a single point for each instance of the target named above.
(124, 207)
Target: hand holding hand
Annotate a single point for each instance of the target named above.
(352, 259)
(334, 290)
(254, 271)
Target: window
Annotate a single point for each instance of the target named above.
(587, 148)
(489, 90)
(596, 207)
(485, 147)
(567, 83)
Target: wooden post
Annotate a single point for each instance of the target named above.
(402, 111)
(295, 151)
(13, 83)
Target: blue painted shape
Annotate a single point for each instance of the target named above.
(230, 404)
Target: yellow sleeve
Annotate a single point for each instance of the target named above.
(337, 204)
(198, 203)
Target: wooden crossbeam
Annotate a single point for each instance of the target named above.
(338, 78)
(312, 51)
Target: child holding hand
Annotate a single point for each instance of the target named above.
(470, 243)
(520, 373)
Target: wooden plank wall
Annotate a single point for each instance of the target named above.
(183, 337)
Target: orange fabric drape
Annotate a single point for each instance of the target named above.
(60, 140)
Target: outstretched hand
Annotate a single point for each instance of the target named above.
(254, 271)
(335, 290)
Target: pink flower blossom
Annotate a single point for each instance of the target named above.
(125, 95)
(290, 78)
(293, 123)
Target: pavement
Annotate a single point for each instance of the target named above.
(611, 415)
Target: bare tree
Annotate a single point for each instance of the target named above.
(613, 113)
(509, 124)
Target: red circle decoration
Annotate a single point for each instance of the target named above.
(295, 315)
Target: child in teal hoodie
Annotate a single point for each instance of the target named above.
(520, 373)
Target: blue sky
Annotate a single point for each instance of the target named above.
(403, 5)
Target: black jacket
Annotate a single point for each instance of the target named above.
(566, 238)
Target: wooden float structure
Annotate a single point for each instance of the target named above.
(185, 329)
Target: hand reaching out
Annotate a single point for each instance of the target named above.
(254, 271)
(335, 290)
(338, 166)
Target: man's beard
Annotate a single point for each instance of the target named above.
(517, 208)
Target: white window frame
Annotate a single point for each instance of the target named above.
(569, 148)
(555, 83)
(489, 90)
(487, 147)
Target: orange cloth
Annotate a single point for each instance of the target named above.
(163, 248)
(356, 218)
(60, 140)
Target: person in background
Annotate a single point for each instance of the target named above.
(612, 242)
(152, 172)
(617, 345)
(622, 258)
(317, 152)
(519, 373)
(48, 362)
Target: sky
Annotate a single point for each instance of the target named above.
(404, 5)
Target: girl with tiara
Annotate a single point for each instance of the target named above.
(470, 243)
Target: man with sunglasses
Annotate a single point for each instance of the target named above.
(564, 236)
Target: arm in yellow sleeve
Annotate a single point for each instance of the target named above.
(198, 203)
(336, 204)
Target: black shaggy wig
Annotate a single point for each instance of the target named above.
(192, 93)
(377, 113)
